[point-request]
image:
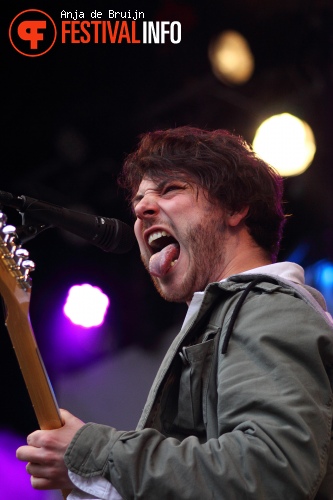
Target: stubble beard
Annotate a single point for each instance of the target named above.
(206, 244)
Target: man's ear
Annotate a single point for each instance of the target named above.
(236, 217)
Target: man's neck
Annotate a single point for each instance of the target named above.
(244, 260)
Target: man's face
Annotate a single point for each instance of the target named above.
(181, 236)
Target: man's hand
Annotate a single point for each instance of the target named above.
(45, 454)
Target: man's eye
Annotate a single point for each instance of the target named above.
(171, 187)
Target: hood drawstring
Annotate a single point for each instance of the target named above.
(239, 304)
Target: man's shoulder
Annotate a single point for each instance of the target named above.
(269, 283)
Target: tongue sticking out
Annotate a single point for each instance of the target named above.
(160, 262)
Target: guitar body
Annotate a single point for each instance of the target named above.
(15, 288)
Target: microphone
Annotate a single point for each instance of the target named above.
(111, 235)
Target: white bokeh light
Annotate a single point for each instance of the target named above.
(286, 142)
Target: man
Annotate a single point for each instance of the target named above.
(241, 406)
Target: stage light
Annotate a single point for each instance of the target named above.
(320, 276)
(86, 305)
(231, 58)
(80, 328)
(321, 273)
(285, 142)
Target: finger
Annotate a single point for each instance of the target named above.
(34, 438)
(42, 483)
(48, 477)
(41, 471)
(65, 414)
(28, 454)
(58, 482)
(69, 418)
(44, 439)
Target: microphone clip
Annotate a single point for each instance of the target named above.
(30, 228)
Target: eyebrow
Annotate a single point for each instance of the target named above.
(136, 200)
(138, 197)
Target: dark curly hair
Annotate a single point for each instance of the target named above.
(221, 163)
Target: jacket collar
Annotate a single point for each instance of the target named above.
(285, 270)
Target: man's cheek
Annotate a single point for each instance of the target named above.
(138, 230)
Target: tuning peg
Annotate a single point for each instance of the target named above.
(10, 240)
(27, 267)
(3, 219)
(9, 233)
(21, 254)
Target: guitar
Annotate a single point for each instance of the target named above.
(15, 288)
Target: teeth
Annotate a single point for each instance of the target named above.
(156, 235)
(174, 262)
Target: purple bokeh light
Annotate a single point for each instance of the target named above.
(86, 305)
(79, 330)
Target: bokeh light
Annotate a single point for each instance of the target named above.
(320, 276)
(86, 305)
(285, 142)
(231, 58)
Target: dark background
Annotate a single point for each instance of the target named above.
(70, 117)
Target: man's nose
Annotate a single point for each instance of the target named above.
(147, 207)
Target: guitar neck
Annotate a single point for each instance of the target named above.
(33, 370)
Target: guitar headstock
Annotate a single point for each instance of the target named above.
(15, 265)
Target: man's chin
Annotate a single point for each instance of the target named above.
(171, 292)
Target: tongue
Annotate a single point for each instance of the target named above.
(160, 262)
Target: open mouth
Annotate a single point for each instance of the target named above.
(165, 254)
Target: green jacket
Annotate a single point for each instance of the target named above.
(241, 407)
